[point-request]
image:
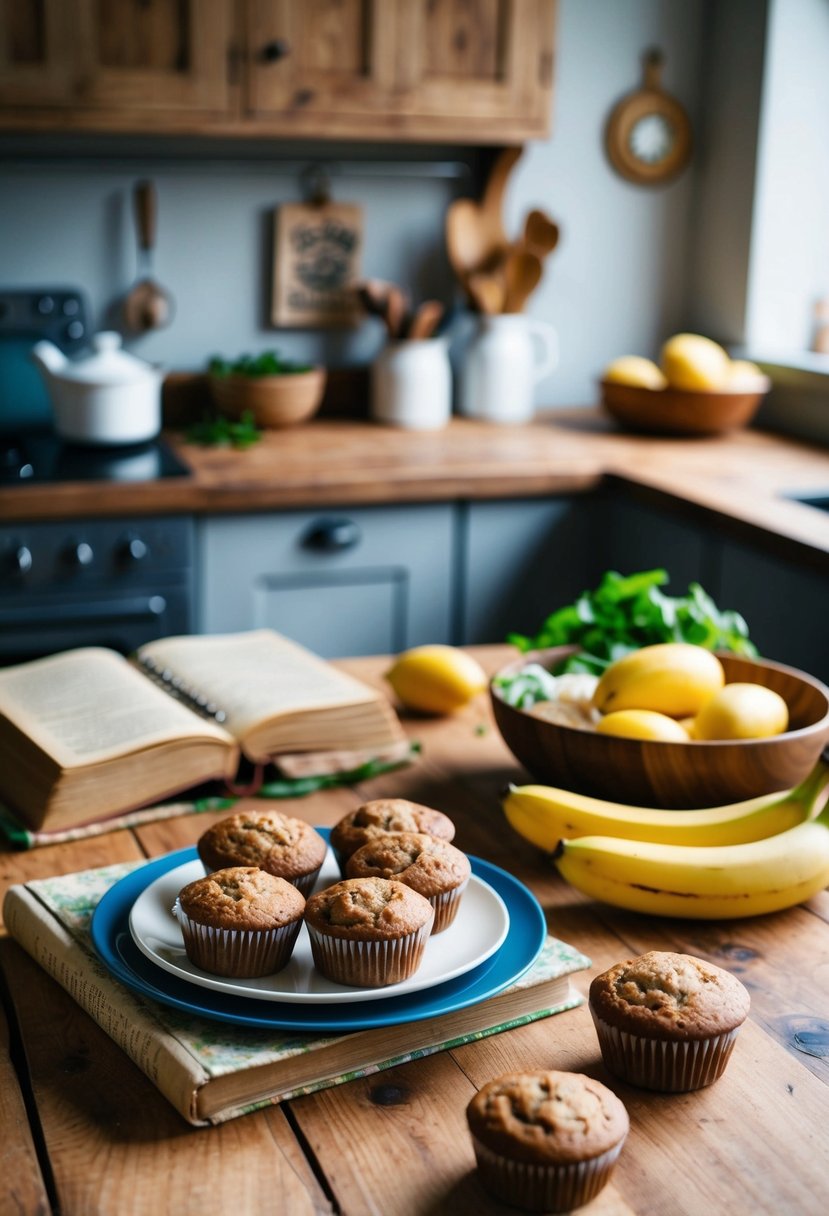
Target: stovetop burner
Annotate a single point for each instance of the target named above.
(40, 457)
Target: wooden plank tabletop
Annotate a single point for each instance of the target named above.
(84, 1131)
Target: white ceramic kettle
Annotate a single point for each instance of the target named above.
(105, 397)
(504, 361)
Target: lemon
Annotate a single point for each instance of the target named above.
(742, 711)
(690, 361)
(673, 678)
(635, 371)
(436, 679)
(642, 724)
(745, 376)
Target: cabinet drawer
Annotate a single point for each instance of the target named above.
(342, 582)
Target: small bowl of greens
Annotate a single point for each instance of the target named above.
(545, 708)
(275, 392)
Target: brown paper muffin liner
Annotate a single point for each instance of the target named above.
(446, 906)
(671, 1066)
(237, 953)
(548, 1187)
(373, 964)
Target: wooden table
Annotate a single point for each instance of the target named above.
(83, 1131)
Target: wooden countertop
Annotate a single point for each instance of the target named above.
(85, 1131)
(742, 477)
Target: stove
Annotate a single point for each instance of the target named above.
(38, 456)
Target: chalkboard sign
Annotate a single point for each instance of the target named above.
(317, 261)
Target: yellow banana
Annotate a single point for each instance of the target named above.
(701, 883)
(544, 815)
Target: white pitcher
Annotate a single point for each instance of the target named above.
(504, 361)
(411, 384)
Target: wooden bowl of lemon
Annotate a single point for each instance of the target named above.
(676, 771)
(696, 389)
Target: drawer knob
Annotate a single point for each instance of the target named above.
(332, 535)
(273, 51)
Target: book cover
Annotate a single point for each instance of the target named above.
(211, 1071)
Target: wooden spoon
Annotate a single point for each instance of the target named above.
(475, 236)
(426, 320)
(487, 292)
(147, 305)
(522, 273)
(540, 233)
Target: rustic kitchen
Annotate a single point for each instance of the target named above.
(413, 458)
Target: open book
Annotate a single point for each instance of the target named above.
(87, 733)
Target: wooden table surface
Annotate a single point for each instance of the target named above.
(84, 1131)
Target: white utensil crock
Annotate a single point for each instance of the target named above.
(411, 384)
(504, 361)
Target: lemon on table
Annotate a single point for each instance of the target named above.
(642, 724)
(436, 679)
(635, 371)
(692, 362)
(742, 711)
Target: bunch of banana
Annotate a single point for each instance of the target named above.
(739, 860)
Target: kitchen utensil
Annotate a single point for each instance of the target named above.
(486, 290)
(503, 362)
(148, 305)
(541, 234)
(673, 411)
(411, 384)
(426, 320)
(475, 236)
(386, 301)
(106, 397)
(695, 774)
(648, 134)
(522, 274)
(274, 401)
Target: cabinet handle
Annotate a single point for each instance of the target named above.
(272, 52)
(332, 535)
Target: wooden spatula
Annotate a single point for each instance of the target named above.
(522, 274)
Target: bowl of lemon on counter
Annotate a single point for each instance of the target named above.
(696, 388)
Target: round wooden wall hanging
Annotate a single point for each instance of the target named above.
(648, 135)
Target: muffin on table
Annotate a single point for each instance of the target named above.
(432, 867)
(386, 815)
(285, 847)
(667, 1021)
(239, 922)
(546, 1141)
(368, 932)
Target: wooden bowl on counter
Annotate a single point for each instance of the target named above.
(673, 411)
(672, 775)
(274, 401)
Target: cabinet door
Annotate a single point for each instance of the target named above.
(367, 581)
(140, 58)
(521, 560)
(36, 56)
(483, 65)
(321, 57)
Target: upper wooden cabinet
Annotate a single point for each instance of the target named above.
(458, 71)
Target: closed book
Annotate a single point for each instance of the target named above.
(212, 1071)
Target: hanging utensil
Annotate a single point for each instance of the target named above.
(522, 274)
(148, 305)
(541, 234)
(486, 291)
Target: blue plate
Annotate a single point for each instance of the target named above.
(117, 950)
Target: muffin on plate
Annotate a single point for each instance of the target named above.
(386, 815)
(667, 1021)
(239, 922)
(368, 932)
(285, 847)
(434, 868)
(546, 1141)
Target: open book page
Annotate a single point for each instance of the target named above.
(90, 705)
(255, 676)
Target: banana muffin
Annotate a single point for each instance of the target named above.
(239, 922)
(368, 932)
(434, 868)
(546, 1141)
(285, 847)
(386, 815)
(667, 1021)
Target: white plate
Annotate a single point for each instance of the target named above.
(477, 932)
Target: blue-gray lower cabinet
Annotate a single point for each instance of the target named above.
(342, 582)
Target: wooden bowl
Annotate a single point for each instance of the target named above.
(274, 401)
(672, 775)
(673, 411)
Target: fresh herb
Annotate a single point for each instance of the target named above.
(216, 430)
(269, 363)
(627, 613)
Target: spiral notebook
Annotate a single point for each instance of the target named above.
(88, 734)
